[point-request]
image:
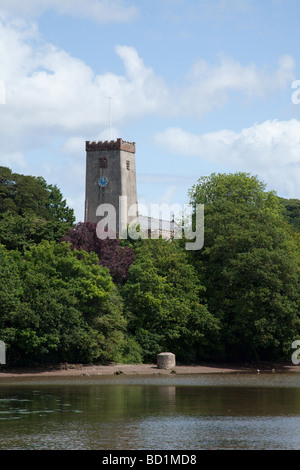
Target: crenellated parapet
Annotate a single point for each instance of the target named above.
(118, 144)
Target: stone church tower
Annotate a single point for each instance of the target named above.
(110, 173)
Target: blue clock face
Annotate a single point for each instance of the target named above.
(103, 181)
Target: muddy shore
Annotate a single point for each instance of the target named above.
(69, 370)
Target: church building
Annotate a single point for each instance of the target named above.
(111, 177)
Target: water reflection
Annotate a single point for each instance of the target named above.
(178, 413)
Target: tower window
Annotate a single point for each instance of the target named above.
(128, 164)
(102, 162)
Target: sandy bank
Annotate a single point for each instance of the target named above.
(68, 370)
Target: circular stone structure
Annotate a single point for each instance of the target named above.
(166, 360)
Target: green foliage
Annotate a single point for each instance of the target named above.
(31, 211)
(130, 351)
(163, 303)
(236, 298)
(249, 265)
(20, 232)
(56, 307)
(21, 195)
(291, 211)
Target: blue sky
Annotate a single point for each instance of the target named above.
(201, 86)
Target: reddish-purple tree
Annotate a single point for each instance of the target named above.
(111, 254)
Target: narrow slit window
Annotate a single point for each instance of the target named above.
(102, 162)
(128, 164)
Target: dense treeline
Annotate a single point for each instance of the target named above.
(249, 266)
(67, 296)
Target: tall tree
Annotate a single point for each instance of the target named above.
(249, 265)
(23, 195)
(58, 305)
(31, 211)
(163, 301)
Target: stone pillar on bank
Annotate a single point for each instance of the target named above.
(166, 360)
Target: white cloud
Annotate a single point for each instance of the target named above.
(212, 85)
(143, 90)
(56, 101)
(270, 150)
(48, 90)
(101, 11)
(73, 147)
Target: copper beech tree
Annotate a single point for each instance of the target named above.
(110, 253)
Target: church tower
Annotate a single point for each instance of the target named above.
(110, 173)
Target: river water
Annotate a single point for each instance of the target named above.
(194, 412)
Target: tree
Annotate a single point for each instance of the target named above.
(249, 265)
(31, 211)
(58, 305)
(110, 253)
(21, 195)
(291, 211)
(163, 302)
(20, 232)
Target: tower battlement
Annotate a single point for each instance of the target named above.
(118, 144)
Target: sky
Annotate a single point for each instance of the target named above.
(201, 87)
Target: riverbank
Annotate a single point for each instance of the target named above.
(69, 370)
